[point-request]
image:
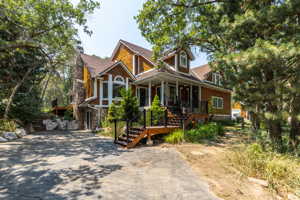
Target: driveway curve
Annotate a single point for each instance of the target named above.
(82, 166)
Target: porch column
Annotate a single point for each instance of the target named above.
(127, 84)
(110, 89)
(191, 97)
(177, 91)
(199, 93)
(149, 93)
(162, 92)
(167, 93)
(176, 62)
(100, 92)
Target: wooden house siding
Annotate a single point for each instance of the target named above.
(171, 61)
(144, 65)
(87, 82)
(207, 94)
(126, 56)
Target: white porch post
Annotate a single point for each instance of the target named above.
(191, 97)
(149, 94)
(167, 93)
(100, 92)
(177, 91)
(162, 92)
(176, 61)
(127, 83)
(110, 89)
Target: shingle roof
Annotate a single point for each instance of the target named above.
(95, 64)
(140, 50)
(201, 71)
(155, 71)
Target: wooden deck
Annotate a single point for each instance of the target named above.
(150, 131)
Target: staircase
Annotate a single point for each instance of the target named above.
(134, 136)
(176, 118)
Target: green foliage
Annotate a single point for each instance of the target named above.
(35, 38)
(113, 113)
(68, 115)
(208, 131)
(226, 122)
(176, 137)
(157, 110)
(260, 64)
(129, 107)
(281, 171)
(7, 125)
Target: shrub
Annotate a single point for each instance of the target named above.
(157, 110)
(68, 115)
(281, 171)
(226, 122)
(205, 132)
(7, 125)
(175, 137)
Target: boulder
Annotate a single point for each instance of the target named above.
(2, 139)
(20, 132)
(62, 124)
(293, 197)
(50, 125)
(10, 135)
(258, 181)
(73, 125)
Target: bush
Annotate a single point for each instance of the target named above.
(7, 125)
(68, 115)
(157, 111)
(175, 137)
(281, 171)
(226, 122)
(205, 132)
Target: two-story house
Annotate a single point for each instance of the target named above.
(98, 82)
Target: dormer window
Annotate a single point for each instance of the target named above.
(217, 78)
(183, 59)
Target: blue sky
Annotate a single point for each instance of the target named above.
(114, 21)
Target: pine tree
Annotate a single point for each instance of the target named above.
(157, 110)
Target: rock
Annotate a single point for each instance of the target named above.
(73, 125)
(197, 153)
(50, 125)
(62, 124)
(293, 197)
(2, 139)
(20, 132)
(258, 181)
(10, 135)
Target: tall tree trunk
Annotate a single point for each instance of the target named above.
(14, 91)
(295, 123)
(45, 88)
(275, 131)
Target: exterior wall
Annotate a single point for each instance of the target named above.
(126, 56)
(171, 61)
(87, 82)
(206, 95)
(144, 65)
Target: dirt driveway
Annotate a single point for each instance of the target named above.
(64, 165)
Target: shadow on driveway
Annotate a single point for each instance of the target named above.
(51, 165)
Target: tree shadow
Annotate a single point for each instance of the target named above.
(27, 173)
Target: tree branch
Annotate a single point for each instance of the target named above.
(197, 4)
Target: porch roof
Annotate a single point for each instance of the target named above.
(167, 74)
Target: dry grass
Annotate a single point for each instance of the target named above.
(281, 171)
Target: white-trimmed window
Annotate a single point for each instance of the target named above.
(217, 78)
(183, 59)
(105, 90)
(217, 102)
(118, 85)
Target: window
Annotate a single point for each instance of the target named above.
(105, 90)
(117, 90)
(119, 79)
(118, 84)
(217, 78)
(217, 102)
(183, 59)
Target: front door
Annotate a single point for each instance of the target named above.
(184, 96)
(143, 94)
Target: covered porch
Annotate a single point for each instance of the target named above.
(174, 92)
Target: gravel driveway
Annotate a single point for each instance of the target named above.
(64, 165)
